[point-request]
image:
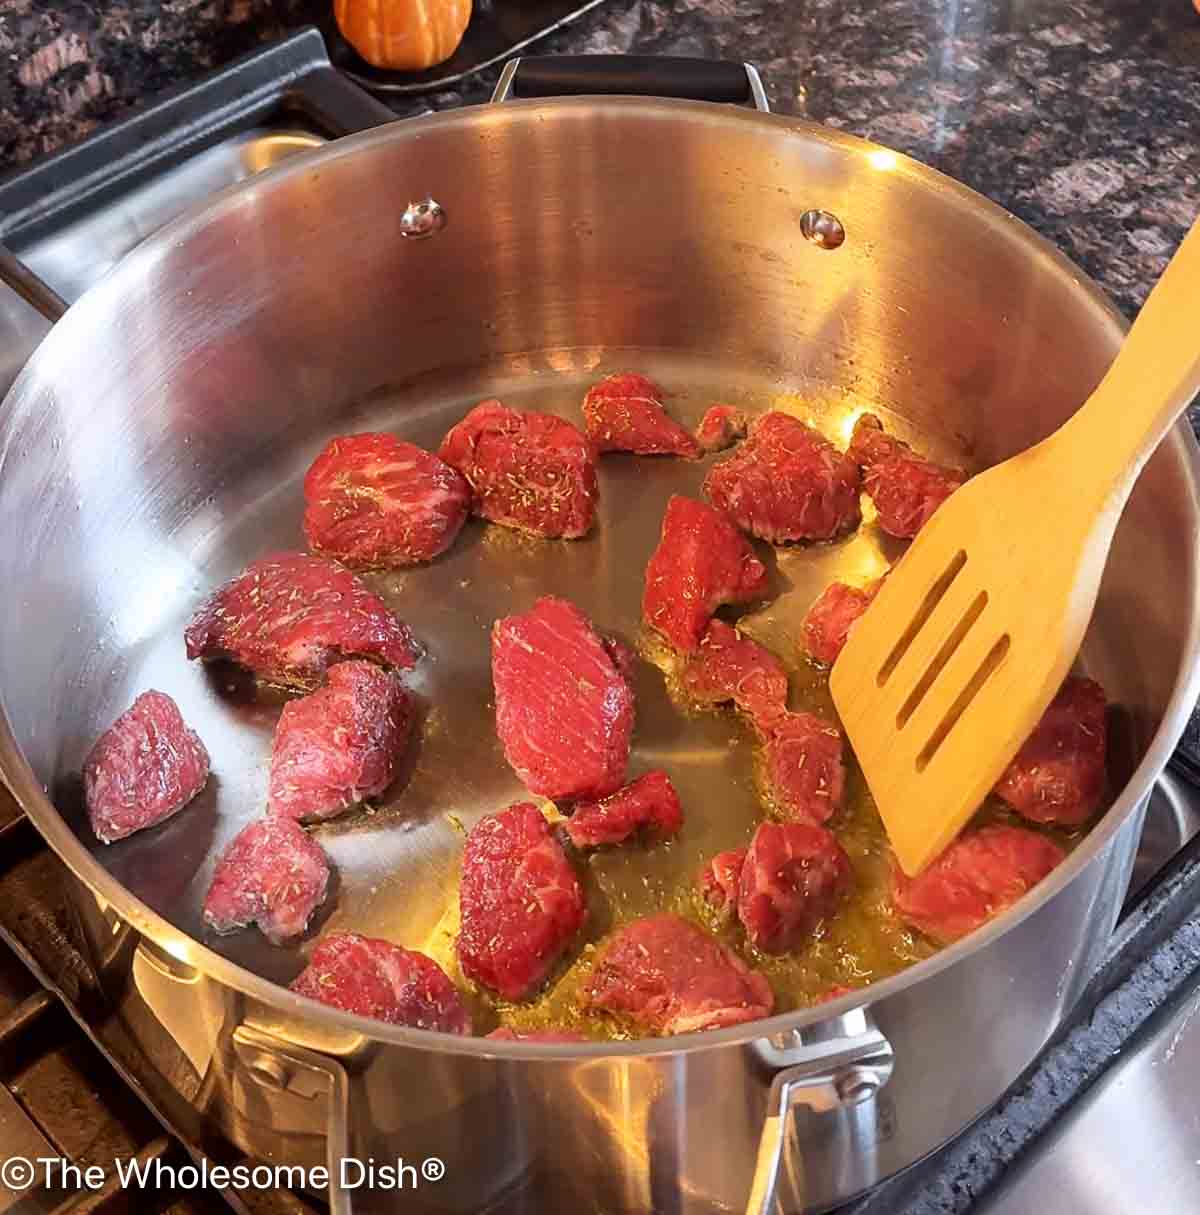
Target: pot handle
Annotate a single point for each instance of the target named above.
(34, 290)
(832, 1066)
(637, 75)
(309, 1093)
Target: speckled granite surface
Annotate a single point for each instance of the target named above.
(1083, 119)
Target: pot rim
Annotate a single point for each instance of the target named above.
(34, 799)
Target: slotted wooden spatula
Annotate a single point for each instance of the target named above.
(972, 633)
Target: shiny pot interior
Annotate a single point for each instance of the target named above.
(157, 441)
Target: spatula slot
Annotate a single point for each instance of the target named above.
(933, 597)
(995, 656)
(956, 638)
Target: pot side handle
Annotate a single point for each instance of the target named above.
(308, 1092)
(826, 1068)
(635, 75)
(35, 291)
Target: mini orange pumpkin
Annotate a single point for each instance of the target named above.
(403, 34)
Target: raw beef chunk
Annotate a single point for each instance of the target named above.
(728, 666)
(375, 978)
(787, 482)
(649, 803)
(371, 500)
(1058, 775)
(531, 471)
(717, 883)
(978, 876)
(721, 427)
(832, 616)
(340, 744)
(504, 1034)
(289, 616)
(272, 874)
(793, 877)
(670, 977)
(625, 413)
(145, 767)
(521, 902)
(801, 769)
(701, 562)
(905, 488)
(564, 711)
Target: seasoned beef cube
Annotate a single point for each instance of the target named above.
(340, 744)
(832, 616)
(625, 413)
(801, 767)
(531, 471)
(787, 482)
(272, 874)
(504, 1034)
(977, 877)
(1058, 774)
(520, 899)
(371, 500)
(375, 978)
(905, 487)
(670, 977)
(717, 883)
(145, 767)
(289, 616)
(728, 666)
(794, 876)
(721, 427)
(701, 562)
(564, 711)
(648, 803)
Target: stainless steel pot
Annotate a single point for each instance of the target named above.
(154, 443)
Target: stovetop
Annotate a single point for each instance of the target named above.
(70, 1085)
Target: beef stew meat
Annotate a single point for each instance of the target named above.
(787, 482)
(668, 976)
(289, 616)
(648, 804)
(374, 978)
(801, 767)
(794, 876)
(143, 769)
(790, 899)
(702, 561)
(521, 902)
(374, 501)
(625, 413)
(730, 667)
(564, 710)
(721, 427)
(717, 885)
(531, 471)
(1058, 774)
(341, 744)
(905, 487)
(273, 874)
(984, 871)
(832, 616)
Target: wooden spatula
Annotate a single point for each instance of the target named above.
(972, 633)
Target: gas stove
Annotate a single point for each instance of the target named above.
(74, 1087)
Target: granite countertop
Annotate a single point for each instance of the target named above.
(1083, 119)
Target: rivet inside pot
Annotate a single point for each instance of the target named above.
(823, 228)
(422, 219)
